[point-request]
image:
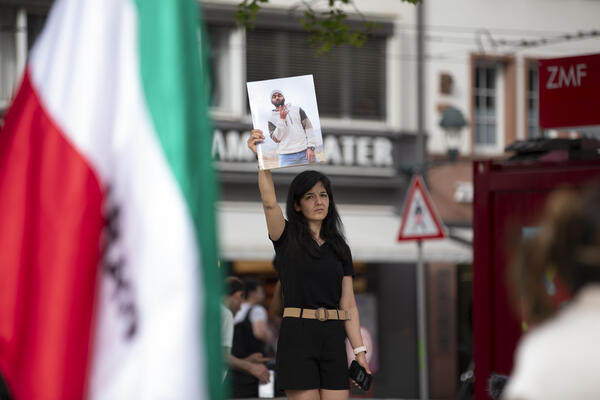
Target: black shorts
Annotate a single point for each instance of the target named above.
(311, 355)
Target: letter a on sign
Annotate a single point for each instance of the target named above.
(419, 219)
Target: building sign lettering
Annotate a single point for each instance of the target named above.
(361, 151)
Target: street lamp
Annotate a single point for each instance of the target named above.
(452, 123)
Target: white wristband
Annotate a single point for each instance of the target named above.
(360, 349)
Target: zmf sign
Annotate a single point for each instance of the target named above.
(569, 91)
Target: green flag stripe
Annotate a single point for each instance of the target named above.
(175, 81)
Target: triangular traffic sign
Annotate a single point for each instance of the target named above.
(419, 219)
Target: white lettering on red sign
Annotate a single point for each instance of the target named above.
(561, 77)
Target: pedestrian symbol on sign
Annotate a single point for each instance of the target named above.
(419, 225)
(419, 220)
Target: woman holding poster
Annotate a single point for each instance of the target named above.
(314, 264)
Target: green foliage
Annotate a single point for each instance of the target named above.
(246, 13)
(330, 29)
(327, 29)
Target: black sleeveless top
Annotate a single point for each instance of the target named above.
(307, 281)
(244, 385)
(244, 341)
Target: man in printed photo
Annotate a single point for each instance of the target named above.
(293, 132)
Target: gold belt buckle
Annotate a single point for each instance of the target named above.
(322, 314)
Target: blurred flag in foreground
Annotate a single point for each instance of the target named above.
(108, 280)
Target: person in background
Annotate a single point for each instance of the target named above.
(559, 357)
(251, 334)
(232, 301)
(253, 364)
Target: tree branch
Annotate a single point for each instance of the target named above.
(327, 29)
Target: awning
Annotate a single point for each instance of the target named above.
(371, 232)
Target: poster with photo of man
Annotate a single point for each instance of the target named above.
(285, 109)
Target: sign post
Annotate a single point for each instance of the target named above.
(419, 222)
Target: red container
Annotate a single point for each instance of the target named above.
(507, 197)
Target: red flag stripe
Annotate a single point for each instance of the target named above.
(51, 221)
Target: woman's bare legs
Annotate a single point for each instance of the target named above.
(327, 394)
(310, 394)
(317, 394)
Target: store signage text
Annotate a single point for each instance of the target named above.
(363, 151)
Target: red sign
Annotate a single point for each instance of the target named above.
(569, 91)
(419, 219)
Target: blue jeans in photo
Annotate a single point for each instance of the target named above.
(286, 160)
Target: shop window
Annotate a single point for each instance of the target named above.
(349, 81)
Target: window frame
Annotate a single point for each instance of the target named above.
(482, 94)
(233, 104)
(505, 84)
(341, 90)
(528, 64)
(284, 20)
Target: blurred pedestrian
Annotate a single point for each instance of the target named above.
(251, 335)
(559, 357)
(314, 264)
(232, 301)
(253, 364)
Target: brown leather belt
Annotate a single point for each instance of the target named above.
(322, 314)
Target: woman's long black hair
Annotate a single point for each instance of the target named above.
(331, 228)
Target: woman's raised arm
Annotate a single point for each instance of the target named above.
(273, 213)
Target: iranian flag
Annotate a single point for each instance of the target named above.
(109, 286)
